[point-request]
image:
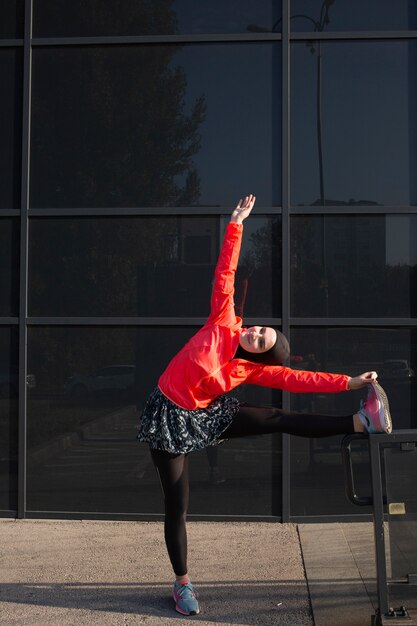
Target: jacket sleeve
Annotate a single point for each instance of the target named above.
(222, 309)
(298, 381)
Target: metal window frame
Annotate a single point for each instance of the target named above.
(24, 235)
(11, 43)
(172, 211)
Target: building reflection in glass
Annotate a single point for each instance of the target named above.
(362, 84)
(357, 15)
(147, 266)
(371, 265)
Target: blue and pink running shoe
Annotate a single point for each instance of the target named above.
(184, 595)
(374, 412)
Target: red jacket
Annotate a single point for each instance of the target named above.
(205, 368)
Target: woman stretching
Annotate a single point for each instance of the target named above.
(189, 409)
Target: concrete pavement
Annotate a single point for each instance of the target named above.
(91, 573)
(79, 573)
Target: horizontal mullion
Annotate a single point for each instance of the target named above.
(208, 38)
(356, 210)
(153, 211)
(113, 321)
(212, 210)
(9, 212)
(353, 321)
(7, 321)
(154, 39)
(11, 43)
(198, 321)
(137, 321)
(375, 34)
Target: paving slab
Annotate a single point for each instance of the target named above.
(339, 561)
(338, 592)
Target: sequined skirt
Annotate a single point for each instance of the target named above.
(167, 426)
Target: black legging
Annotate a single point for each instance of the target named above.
(250, 420)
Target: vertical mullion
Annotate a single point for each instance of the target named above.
(27, 71)
(285, 238)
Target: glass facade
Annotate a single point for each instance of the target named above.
(12, 19)
(9, 389)
(106, 267)
(11, 76)
(83, 417)
(345, 265)
(361, 112)
(353, 15)
(315, 463)
(77, 18)
(168, 143)
(128, 132)
(9, 267)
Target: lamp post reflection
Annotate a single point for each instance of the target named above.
(319, 26)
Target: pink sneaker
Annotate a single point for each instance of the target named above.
(374, 412)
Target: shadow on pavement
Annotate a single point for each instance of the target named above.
(234, 602)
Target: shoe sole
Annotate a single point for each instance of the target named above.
(382, 398)
(177, 608)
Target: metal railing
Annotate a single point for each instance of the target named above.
(402, 440)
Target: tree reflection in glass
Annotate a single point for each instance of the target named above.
(113, 130)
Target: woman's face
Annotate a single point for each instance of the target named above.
(257, 338)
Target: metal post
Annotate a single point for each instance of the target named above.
(377, 494)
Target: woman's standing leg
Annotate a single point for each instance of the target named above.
(173, 473)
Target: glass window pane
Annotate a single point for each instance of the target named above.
(11, 19)
(345, 266)
(9, 267)
(146, 266)
(355, 144)
(82, 449)
(57, 18)
(310, 15)
(9, 388)
(317, 481)
(10, 127)
(155, 125)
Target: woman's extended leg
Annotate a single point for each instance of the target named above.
(173, 473)
(259, 420)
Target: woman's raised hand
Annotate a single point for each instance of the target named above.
(243, 209)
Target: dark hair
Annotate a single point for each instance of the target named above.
(276, 355)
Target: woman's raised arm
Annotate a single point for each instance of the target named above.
(222, 304)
